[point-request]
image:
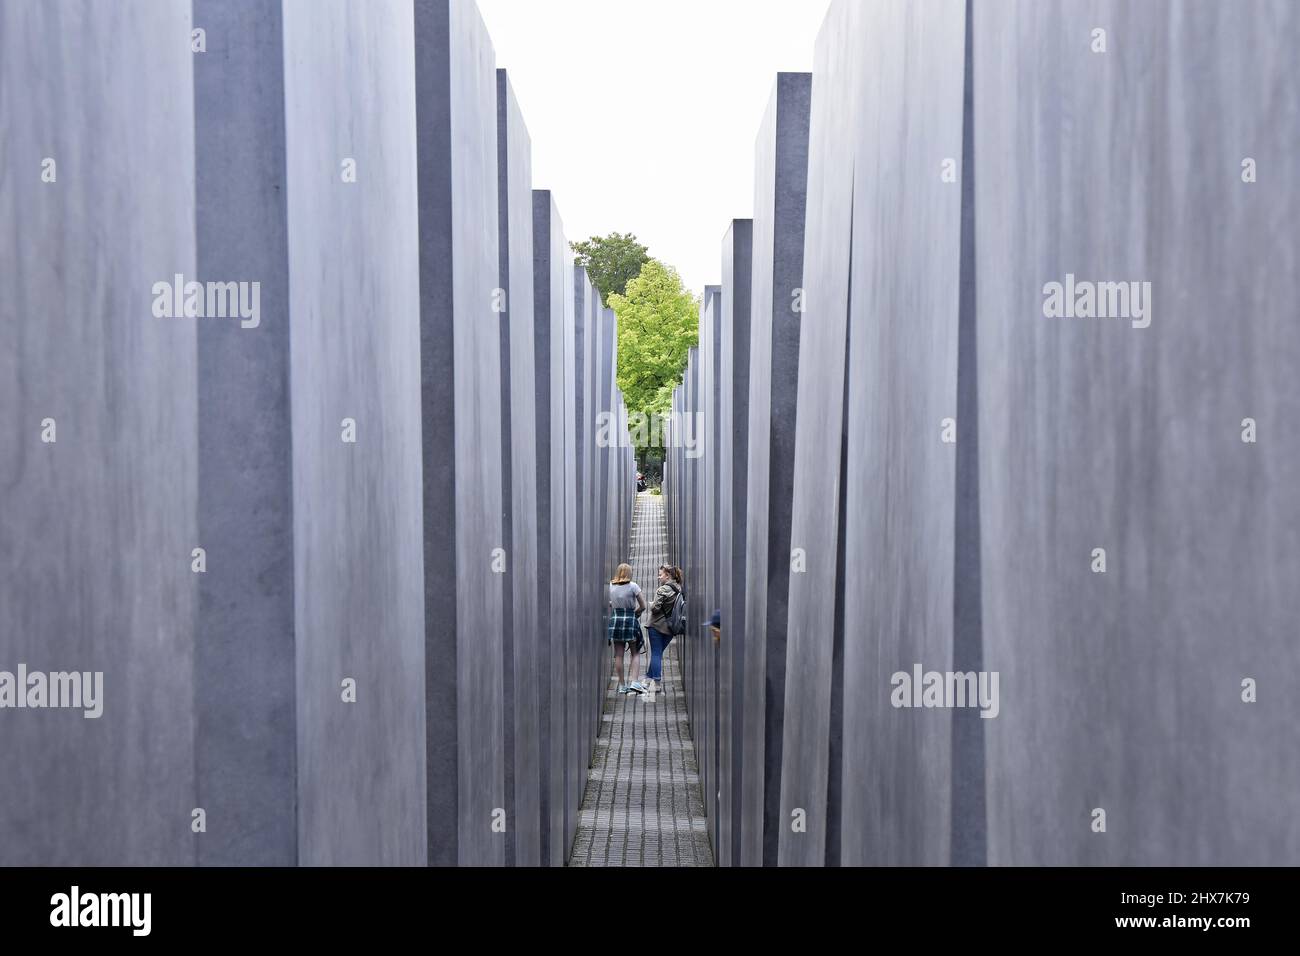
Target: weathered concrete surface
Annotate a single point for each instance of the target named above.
(1122, 690)
(245, 712)
(815, 508)
(608, 554)
(519, 470)
(460, 367)
(902, 383)
(97, 527)
(704, 715)
(561, 666)
(689, 652)
(552, 302)
(780, 191)
(955, 167)
(596, 672)
(733, 440)
(390, 231)
(590, 340)
(580, 615)
(354, 354)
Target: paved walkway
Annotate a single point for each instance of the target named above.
(643, 805)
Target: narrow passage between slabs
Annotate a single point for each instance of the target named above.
(643, 805)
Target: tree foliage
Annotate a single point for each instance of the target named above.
(658, 322)
(611, 261)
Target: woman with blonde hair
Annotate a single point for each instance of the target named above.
(625, 607)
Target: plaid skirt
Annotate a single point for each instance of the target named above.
(625, 626)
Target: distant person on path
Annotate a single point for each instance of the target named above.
(625, 607)
(670, 585)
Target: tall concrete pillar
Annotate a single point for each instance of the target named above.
(358, 569)
(733, 440)
(520, 644)
(1129, 691)
(552, 302)
(580, 616)
(780, 191)
(460, 359)
(899, 773)
(270, 674)
(810, 731)
(711, 530)
(689, 651)
(568, 387)
(611, 552)
(99, 453)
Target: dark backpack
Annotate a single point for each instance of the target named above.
(677, 616)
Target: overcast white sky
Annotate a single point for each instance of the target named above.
(643, 113)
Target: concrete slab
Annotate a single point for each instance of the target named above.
(1122, 690)
(691, 538)
(569, 489)
(815, 512)
(520, 647)
(552, 303)
(900, 474)
(98, 525)
(245, 703)
(580, 613)
(711, 352)
(733, 437)
(459, 270)
(358, 569)
(780, 194)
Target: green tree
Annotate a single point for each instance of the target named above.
(611, 261)
(658, 322)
